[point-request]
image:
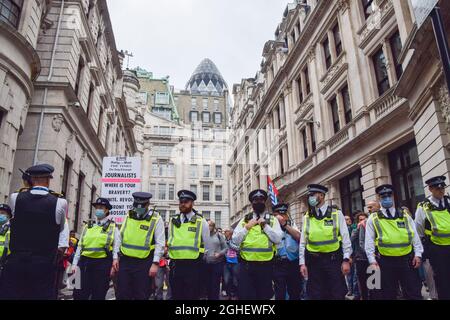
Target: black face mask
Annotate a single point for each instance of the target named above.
(259, 207)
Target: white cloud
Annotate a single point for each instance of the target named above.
(171, 37)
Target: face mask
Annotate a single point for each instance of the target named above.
(259, 207)
(140, 211)
(313, 202)
(100, 213)
(3, 219)
(387, 202)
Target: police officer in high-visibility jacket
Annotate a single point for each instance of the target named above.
(393, 248)
(98, 248)
(325, 248)
(143, 241)
(5, 215)
(433, 226)
(257, 234)
(188, 241)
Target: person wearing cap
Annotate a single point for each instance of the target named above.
(325, 248)
(257, 235)
(433, 226)
(189, 239)
(99, 247)
(143, 241)
(393, 248)
(287, 279)
(30, 272)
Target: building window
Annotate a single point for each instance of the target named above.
(396, 47)
(162, 98)
(347, 105)
(93, 196)
(162, 191)
(193, 188)
(367, 7)
(300, 89)
(206, 117)
(193, 103)
(381, 73)
(206, 152)
(171, 191)
(327, 53)
(217, 118)
(207, 215)
(205, 103)
(352, 193)
(305, 144)
(163, 112)
(218, 219)
(335, 115)
(2, 114)
(313, 137)
(337, 39)
(194, 153)
(406, 176)
(10, 12)
(206, 192)
(216, 104)
(307, 83)
(206, 171)
(280, 154)
(154, 169)
(79, 75)
(80, 189)
(219, 196)
(193, 116)
(66, 176)
(219, 172)
(193, 171)
(153, 189)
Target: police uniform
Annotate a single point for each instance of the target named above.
(5, 235)
(286, 278)
(433, 226)
(188, 240)
(257, 252)
(99, 245)
(324, 246)
(143, 240)
(392, 241)
(30, 272)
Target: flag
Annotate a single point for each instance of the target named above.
(273, 191)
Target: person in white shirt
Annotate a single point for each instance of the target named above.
(393, 248)
(325, 248)
(98, 248)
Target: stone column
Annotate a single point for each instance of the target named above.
(146, 166)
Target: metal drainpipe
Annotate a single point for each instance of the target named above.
(50, 74)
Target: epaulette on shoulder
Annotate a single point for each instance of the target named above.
(56, 194)
(22, 190)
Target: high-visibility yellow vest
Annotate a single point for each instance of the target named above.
(4, 242)
(322, 235)
(439, 221)
(393, 236)
(138, 236)
(256, 245)
(185, 241)
(97, 240)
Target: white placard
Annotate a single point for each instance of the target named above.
(422, 9)
(121, 177)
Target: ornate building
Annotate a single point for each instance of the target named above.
(65, 99)
(339, 100)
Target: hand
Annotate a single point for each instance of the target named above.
(304, 271)
(362, 224)
(417, 261)
(345, 268)
(153, 270)
(282, 220)
(262, 222)
(115, 267)
(375, 265)
(251, 224)
(217, 255)
(73, 269)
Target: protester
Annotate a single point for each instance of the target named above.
(231, 268)
(215, 258)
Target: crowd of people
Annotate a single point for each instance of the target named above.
(384, 253)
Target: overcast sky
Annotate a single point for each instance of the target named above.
(171, 37)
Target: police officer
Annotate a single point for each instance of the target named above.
(286, 277)
(30, 272)
(98, 248)
(143, 241)
(325, 248)
(257, 234)
(188, 241)
(5, 215)
(433, 226)
(393, 247)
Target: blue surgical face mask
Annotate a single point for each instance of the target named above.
(100, 214)
(3, 219)
(313, 202)
(140, 211)
(387, 202)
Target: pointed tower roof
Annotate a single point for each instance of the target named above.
(206, 79)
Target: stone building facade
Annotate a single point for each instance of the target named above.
(75, 109)
(339, 100)
(185, 144)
